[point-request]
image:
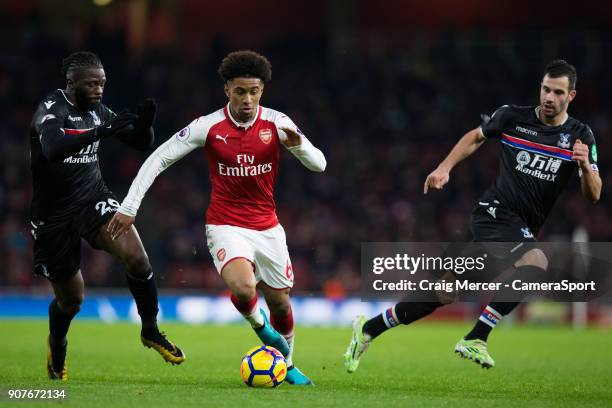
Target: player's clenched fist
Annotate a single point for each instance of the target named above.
(436, 179)
(119, 225)
(581, 154)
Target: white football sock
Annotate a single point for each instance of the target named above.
(289, 358)
(255, 318)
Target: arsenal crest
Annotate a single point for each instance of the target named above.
(265, 135)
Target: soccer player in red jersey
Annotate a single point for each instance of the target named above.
(241, 142)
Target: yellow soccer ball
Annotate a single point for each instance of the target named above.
(263, 367)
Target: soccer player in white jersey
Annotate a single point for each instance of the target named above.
(241, 142)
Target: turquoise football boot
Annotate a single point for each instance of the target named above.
(270, 337)
(296, 377)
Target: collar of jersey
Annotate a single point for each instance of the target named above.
(66, 97)
(245, 125)
(537, 113)
(72, 104)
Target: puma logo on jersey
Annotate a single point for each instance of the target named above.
(49, 104)
(222, 138)
(526, 233)
(491, 211)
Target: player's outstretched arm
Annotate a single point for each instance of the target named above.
(58, 143)
(163, 157)
(467, 145)
(590, 182)
(311, 157)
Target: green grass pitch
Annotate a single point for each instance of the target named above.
(410, 366)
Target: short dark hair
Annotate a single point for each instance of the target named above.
(559, 68)
(245, 64)
(80, 60)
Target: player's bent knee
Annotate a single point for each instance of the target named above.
(279, 307)
(534, 257)
(71, 305)
(446, 298)
(138, 266)
(244, 291)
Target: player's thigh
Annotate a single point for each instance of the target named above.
(93, 223)
(57, 250)
(272, 261)
(95, 215)
(233, 254)
(239, 276)
(127, 248)
(278, 300)
(70, 293)
(533, 257)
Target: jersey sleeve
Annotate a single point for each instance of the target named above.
(310, 157)
(493, 126)
(283, 121)
(48, 123)
(589, 139)
(49, 119)
(175, 148)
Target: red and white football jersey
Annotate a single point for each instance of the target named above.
(243, 160)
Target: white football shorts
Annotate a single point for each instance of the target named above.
(266, 250)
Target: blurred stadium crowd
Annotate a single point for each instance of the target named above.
(385, 108)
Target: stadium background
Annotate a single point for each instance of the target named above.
(383, 91)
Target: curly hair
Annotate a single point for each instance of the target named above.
(80, 60)
(243, 64)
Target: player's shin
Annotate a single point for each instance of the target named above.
(249, 310)
(259, 322)
(401, 313)
(284, 325)
(59, 322)
(496, 310)
(144, 292)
